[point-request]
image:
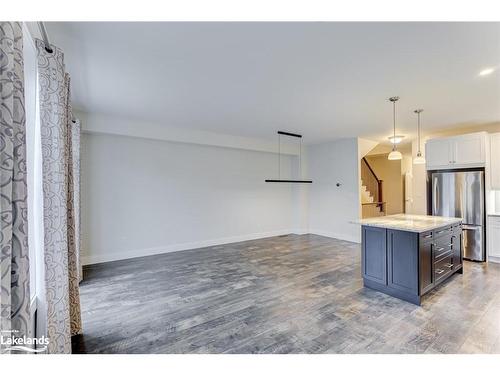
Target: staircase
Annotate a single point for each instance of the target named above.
(369, 207)
(371, 192)
(366, 196)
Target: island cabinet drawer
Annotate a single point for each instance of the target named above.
(442, 246)
(438, 233)
(440, 251)
(443, 232)
(456, 229)
(443, 267)
(426, 236)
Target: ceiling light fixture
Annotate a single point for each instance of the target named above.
(394, 154)
(396, 138)
(286, 180)
(486, 71)
(419, 159)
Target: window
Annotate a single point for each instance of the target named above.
(34, 167)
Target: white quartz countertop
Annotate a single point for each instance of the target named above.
(409, 223)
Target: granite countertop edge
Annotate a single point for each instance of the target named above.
(409, 228)
(406, 229)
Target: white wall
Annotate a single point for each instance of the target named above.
(106, 124)
(331, 208)
(142, 196)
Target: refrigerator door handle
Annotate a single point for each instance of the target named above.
(470, 227)
(435, 195)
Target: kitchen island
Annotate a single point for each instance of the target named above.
(406, 256)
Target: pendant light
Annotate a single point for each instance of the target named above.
(419, 159)
(395, 154)
(287, 180)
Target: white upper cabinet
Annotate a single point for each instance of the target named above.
(438, 153)
(462, 151)
(495, 161)
(469, 149)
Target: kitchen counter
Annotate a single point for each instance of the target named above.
(406, 256)
(409, 223)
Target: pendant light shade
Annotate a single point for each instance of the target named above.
(395, 154)
(419, 159)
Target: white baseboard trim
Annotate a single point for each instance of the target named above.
(339, 236)
(136, 253)
(299, 232)
(493, 259)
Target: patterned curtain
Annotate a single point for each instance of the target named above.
(60, 209)
(14, 261)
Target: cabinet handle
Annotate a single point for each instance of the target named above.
(438, 249)
(450, 245)
(441, 231)
(448, 265)
(428, 236)
(439, 271)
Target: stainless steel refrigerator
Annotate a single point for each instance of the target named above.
(461, 194)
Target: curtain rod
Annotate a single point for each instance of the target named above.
(45, 37)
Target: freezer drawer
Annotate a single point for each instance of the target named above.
(473, 242)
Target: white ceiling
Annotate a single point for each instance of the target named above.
(324, 80)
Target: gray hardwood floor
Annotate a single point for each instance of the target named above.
(288, 294)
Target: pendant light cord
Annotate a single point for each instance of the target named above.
(279, 153)
(418, 119)
(300, 158)
(418, 112)
(279, 156)
(394, 124)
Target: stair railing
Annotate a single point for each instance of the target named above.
(373, 183)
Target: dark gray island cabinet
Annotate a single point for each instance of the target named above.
(406, 256)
